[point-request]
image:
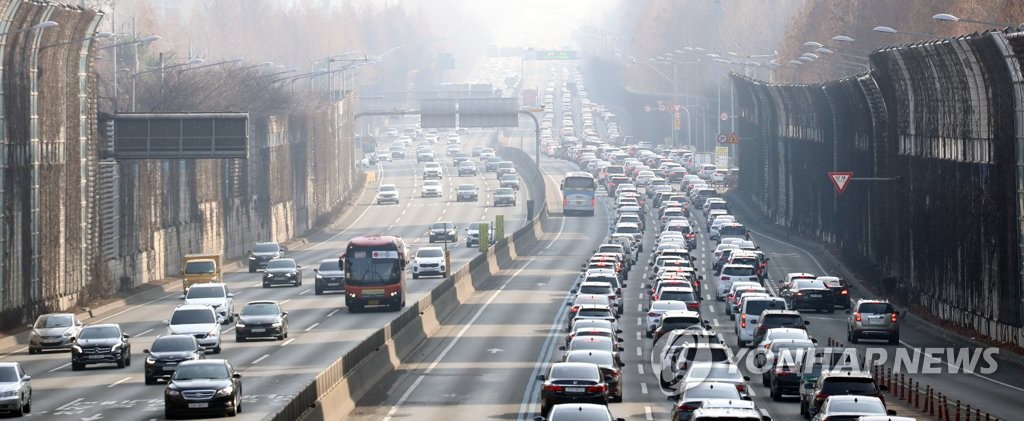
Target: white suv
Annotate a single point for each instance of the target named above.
(197, 320)
(749, 312)
(431, 170)
(216, 296)
(428, 261)
(431, 188)
(734, 273)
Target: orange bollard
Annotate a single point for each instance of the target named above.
(900, 386)
(928, 402)
(958, 410)
(967, 413)
(917, 395)
(942, 408)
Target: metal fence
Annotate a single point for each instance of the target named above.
(942, 119)
(48, 239)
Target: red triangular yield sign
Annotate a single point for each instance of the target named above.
(840, 179)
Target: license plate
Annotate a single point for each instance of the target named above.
(875, 321)
(333, 284)
(373, 302)
(373, 292)
(575, 390)
(169, 368)
(578, 202)
(96, 357)
(198, 404)
(815, 295)
(258, 330)
(52, 341)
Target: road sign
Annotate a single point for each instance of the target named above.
(722, 138)
(722, 150)
(647, 108)
(677, 116)
(840, 179)
(677, 123)
(661, 107)
(677, 107)
(734, 139)
(181, 136)
(724, 116)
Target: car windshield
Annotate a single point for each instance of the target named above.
(442, 226)
(188, 317)
(866, 406)
(574, 371)
(788, 334)
(508, 177)
(51, 320)
(467, 187)
(596, 289)
(627, 229)
(679, 323)
(599, 358)
(261, 309)
(732, 230)
(504, 192)
(197, 267)
(281, 264)
(174, 344)
(105, 332)
(677, 296)
(201, 371)
(430, 253)
(265, 248)
(205, 292)
(842, 385)
(705, 392)
(665, 305)
(876, 308)
(755, 307)
(595, 312)
(8, 374)
(387, 188)
(329, 266)
(432, 183)
(591, 343)
(739, 271)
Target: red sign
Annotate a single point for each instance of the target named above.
(840, 179)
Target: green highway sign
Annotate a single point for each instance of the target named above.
(556, 54)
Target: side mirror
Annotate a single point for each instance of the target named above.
(622, 340)
(747, 378)
(618, 330)
(145, 351)
(621, 349)
(231, 295)
(236, 376)
(561, 348)
(623, 285)
(622, 364)
(810, 386)
(700, 277)
(541, 377)
(284, 313)
(573, 290)
(201, 349)
(235, 315)
(883, 388)
(890, 412)
(538, 418)
(746, 398)
(806, 323)
(167, 322)
(125, 335)
(316, 270)
(568, 303)
(29, 325)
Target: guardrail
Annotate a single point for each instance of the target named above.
(333, 393)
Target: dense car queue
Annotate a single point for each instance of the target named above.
(661, 198)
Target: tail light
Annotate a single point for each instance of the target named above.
(693, 306)
(741, 387)
(689, 406)
(725, 278)
(696, 284)
(821, 396)
(856, 317)
(553, 388)
(893, 318)
(574, 309)
(593, 201)
(654, 297)
(596, 389)
(844, 292)
(691, 235)
(743, 321)
(652, 314)
(782, 371)
(565, 201)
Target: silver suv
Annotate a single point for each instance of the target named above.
(197, 320)
(873, 319)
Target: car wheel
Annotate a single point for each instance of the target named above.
(355, 309)
(266, 285)
(216, 349)
(803, 408)
(318, 291)
(776, 394)
(28, 405)
(415, 276)
(853, 338)
(18, 412)
(128, 361)
(168, 414)
(252, 269)
(740, 343)
(895, 339)
(239, 338)
(831, 310)
(150, 380)
(280, 337)
(765, 381)
(76, 367)
(32, 351)
(122, 363)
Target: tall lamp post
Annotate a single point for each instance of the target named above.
(951, 18)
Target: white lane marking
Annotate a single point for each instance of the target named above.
(69, 404)
(311, 327)
(257, 361)
(143, 333)
(256, 285)
(641, 294)
(285, 301)
(305, 292)
(332, 312)
(648, 413)
(639, 307)
(715, 321)
(638, 336)
(750, 391)
(643, 388)
(118, 382)
(455, 340)
(228, 329)
(59, 368)
(285, 343)
(639, 321)
(640, 368)
(135, 307)
(639, 351)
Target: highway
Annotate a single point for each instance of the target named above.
(321, 330)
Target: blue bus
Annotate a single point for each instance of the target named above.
(579, 194)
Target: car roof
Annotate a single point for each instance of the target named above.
(193, 307)
(208, 285)
(261, 302)
(680, 313)
(845, 374)
(783, 312)
(676, 289)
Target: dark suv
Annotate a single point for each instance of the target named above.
(99, 344)
(262, 253)
(771, 319)
(843, 383)
(167, 352)
(873, 319)
(204, 387)
(329, 276)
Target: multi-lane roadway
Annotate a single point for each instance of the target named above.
(321, 329)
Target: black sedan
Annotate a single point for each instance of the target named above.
(167, 352)
(810, 294)
(282, 271)
(261, 319)
(572, 383)
(204, 387)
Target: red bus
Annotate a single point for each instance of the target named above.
(374, 268)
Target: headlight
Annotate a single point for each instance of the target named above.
(352, 295)
(319, 276)
(9, 393)
(173, 392)
(213, 332)
(150, 361)
(277, 324)
(76, 348)
(252, 257)
(35, 332)
(115, 348)
(193, 358)
(227, 391)
(394, 293)
(238, 325)
(67, 334)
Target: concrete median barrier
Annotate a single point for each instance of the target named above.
(334, 392)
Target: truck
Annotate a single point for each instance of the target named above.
(200, 269)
